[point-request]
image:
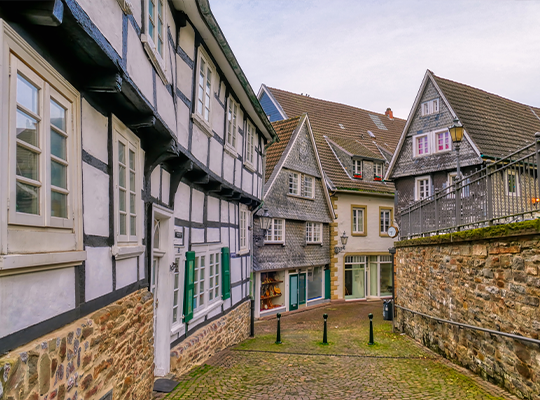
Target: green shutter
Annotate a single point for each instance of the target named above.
(188, 286)
(226, 273)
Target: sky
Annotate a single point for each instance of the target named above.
(373, 54)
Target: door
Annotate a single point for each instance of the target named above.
(293, 292)
(302, 288)
(153, 289)
(355, 277)
(327, 294)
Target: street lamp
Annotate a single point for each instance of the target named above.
(265, 225)
(456, 132)
(343, 238)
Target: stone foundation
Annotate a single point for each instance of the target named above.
(472, 279)
(109, 350)
(212, 338)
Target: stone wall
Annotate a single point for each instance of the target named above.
(202, 344)
(112, 349)
(487, 278)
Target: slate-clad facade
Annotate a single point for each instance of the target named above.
(131, 161)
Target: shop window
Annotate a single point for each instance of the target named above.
(276, 231)
(313, 232)
(315, 283)
(355, 270)
(272, 289)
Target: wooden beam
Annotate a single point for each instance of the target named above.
(202, 179)
(45, 13)
(214, 187)
(145, 122)
(105, 82)
(177, 174)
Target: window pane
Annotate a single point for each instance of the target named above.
(160, 43)
(27, 163)
(122, 200)
(133, 225)
(58, 205)
(58, 145)
(58, 175)
(58, 115)
(132, 181)
(121, 153)
(132, 160)
(122, 224)
(132, 203)
(27, 129)
(27, 94)
(27, 198)
(122, 177)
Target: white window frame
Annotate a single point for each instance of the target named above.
(294, 182)
(233, 124)
(436, 141)
(360, 227)
(378, 170)
(251, 134)
(417, 181)
(122, 134)
(416, 140)
(314, 232)
(198, 117)
(310, 194)
(149, 43)
(507, 173)
(208, 304)
(383, 227)
(430, 107)
(243, 228)
(271, 232)
(358, 166)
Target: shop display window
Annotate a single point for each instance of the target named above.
(315, 284)
(272, 289)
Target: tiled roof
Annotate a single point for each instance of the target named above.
(347, 125)
(355, 148)
(284, 130)
(497, 126)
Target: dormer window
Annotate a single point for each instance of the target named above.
(378, 172)
(430, 107)
(357, 169)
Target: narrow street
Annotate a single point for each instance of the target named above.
(347, 368)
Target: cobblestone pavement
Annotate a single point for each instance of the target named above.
(302, 368)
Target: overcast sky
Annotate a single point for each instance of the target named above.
(373, 54)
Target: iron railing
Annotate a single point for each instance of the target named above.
(506, 190)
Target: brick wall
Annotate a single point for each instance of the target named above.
(487, 278)
(212, 338)
(112, 349)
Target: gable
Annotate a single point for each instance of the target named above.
(302, 156)
(270, 108)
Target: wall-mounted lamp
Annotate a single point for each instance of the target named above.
(344, 238)
(265, 225)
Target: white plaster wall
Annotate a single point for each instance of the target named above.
(238, 174)
(225, 236)
(181, 202)
(228, 167)
(165, 186)
(224, 211)
(107, 15)
(137, 11)
(197, 235)
(182, 133)
(212, 234)
(94, 132)
(247, 182)
(197, 206)
(170, 27)
(139, 67)
(23, 241)
(236, 270)
(96, 201)
(184, 76)
(126, 272)
(199, 144)
(165, 105)
(142, 269)
(233, 211)
(218, 113)
(232, 240)
(214, 312)
(98, 272)
(236, 294)
(187, 40)
(155, 181)
(28, 299)
(212, 211)
(216, 152)
(222, 93)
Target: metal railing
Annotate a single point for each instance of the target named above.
(504, 191)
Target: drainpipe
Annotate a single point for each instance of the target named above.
(253, 280)
(392, 251)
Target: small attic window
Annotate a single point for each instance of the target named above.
(341, 126)
(371, 134)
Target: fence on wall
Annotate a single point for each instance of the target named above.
(503, 191)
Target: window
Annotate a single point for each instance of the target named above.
(244, 220)
(315, 283)
(198, 282)
(153, 37)
(423, 188)
(206, 278)
(358, 169)
(359, 221)
(444, 143)
(378, 172)
(250, 144)
(313, 232)
(385, 220)
(276, 231)
(512, 183)
(127, 182)
(430, 107)
(214, 277)
(203, 107)
(155, 17)
(294, 183)
(232, 123)
(309, 187)
(176, 294)
(421, 147)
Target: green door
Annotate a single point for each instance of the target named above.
(293, 292)
(302, 288)
(327, 283)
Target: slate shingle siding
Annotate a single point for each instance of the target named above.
(295, 253)
(302, 156)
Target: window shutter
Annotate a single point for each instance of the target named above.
(226, 273)
(188, 286)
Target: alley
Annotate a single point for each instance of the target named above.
(302, 368)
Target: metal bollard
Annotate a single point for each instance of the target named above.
(278, 338)
(325, 336)
(252, 324)
(371, 342)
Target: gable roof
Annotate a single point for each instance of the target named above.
(348, 127)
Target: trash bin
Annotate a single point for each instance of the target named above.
(388, 310)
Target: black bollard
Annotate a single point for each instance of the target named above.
(252, 324)
(278, 338)
(371, 342)
(325, 337)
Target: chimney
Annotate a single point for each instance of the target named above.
(389, 113)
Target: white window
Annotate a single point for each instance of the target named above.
(511, 183)
(232, 123)
(244, 219)
(198, 282)
(443, 141)
(308, 189)
(176, 294)
(276, 231)
(155, 23)
(385, 220)
(358, 169)
(214, 276)
(378, 172)
(294, 183)
(421, 145)
(250, 144)
(128, 183)
(358, 222)
(203, 103)
(154, 34)
(313, 232)
(422, 187)
(206, 279)
(430, 107)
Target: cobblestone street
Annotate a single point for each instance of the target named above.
(302, 368)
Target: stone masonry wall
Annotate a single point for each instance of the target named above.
(111, 349)
(474, 278)
(212, 338)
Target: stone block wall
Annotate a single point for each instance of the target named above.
(202, 344)
(111, 349)
(477, 279)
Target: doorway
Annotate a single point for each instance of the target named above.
(297, 291)
(355, 277)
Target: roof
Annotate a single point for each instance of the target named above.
(284, 130)
(497, 126)
(348, 127)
